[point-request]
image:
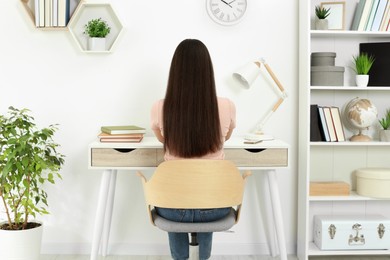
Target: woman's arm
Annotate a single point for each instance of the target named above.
(158, 134)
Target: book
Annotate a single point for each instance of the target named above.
(357, 15)
(324, 127)
(47, 13)
(365, 14)
(385, 17)
(379, 15)
(374, 8)
(329, 124)
(316, 133)
(338, 125)
(40, 13)
(123, 129)
(121, 140)
(116, 136)
(63, 12)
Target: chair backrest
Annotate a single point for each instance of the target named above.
(195, 183)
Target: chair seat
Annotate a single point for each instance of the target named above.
(181, 227)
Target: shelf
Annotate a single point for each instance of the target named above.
(29, 7)
(347, 143)
(319, 33)
(350, 88)
(315, 251)
(352, 197)
(86, 12)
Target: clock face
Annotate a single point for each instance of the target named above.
(226, 12)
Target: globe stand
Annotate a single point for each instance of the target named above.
(360, 137)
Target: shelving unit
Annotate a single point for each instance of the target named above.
(88, 11)
(29, 7)
(335, 161)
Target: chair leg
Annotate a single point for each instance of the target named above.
(194, 247)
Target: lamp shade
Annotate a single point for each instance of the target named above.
(247, 74)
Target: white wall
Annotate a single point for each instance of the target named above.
(45, 72)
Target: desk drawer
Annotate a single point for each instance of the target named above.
(258, 157)
(102, 157)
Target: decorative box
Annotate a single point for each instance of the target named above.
(332, 232)
(334, 188)
(373, 182)
(327, 76)
(323, 58)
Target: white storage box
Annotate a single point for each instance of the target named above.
(351, 232)
(373, 182)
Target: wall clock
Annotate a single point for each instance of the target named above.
(226, 12)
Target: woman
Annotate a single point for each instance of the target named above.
(192, 122)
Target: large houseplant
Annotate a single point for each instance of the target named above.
(362, 66)
(97, 30)
(28, 160)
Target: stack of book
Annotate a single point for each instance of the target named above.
(122, 134)
(372, 15)
(52, 13)
(325, 124)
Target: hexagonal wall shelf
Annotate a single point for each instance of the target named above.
(87, 11)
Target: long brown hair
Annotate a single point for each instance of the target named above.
(190, 113)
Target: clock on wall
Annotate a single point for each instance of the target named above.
(226, 12)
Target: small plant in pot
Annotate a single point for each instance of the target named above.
(322, 13)
(362, 66)
(97, 30)
(28, 161)
(384, 134)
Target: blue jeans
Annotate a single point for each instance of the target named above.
(179, 242)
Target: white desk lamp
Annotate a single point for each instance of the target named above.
(246, 76)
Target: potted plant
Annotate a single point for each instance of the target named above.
(384, 134)
(97, 30)
(28, 161)
(363, 63)
(321, 23)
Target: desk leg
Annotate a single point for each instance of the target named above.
(108, 213)
(101, 208)
(277, 211)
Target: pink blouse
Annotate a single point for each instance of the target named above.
(227, 117)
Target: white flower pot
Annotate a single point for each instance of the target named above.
(362, 80)
(96, 44)
(321, 24)
(384, 135)
(21, 244)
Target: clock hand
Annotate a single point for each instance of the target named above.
(227, 3)
(232, 2)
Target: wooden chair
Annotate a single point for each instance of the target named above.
(195, 184)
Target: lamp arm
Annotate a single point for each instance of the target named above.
(273, 76)
(259, 128)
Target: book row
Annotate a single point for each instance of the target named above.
(325, 124)
(372, 15)
(52, 13)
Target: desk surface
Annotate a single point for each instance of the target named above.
(152, 142)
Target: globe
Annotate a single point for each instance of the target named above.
(360, 114)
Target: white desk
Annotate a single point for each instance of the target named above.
(266, 156)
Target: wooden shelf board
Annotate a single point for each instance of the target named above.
(315, 251)
(352, 197)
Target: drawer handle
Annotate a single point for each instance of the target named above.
(252, 150)
(124, 150)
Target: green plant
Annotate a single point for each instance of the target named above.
(363, 63)
(28, 159)
(97, 28)
(385, 121)
(322, 12)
